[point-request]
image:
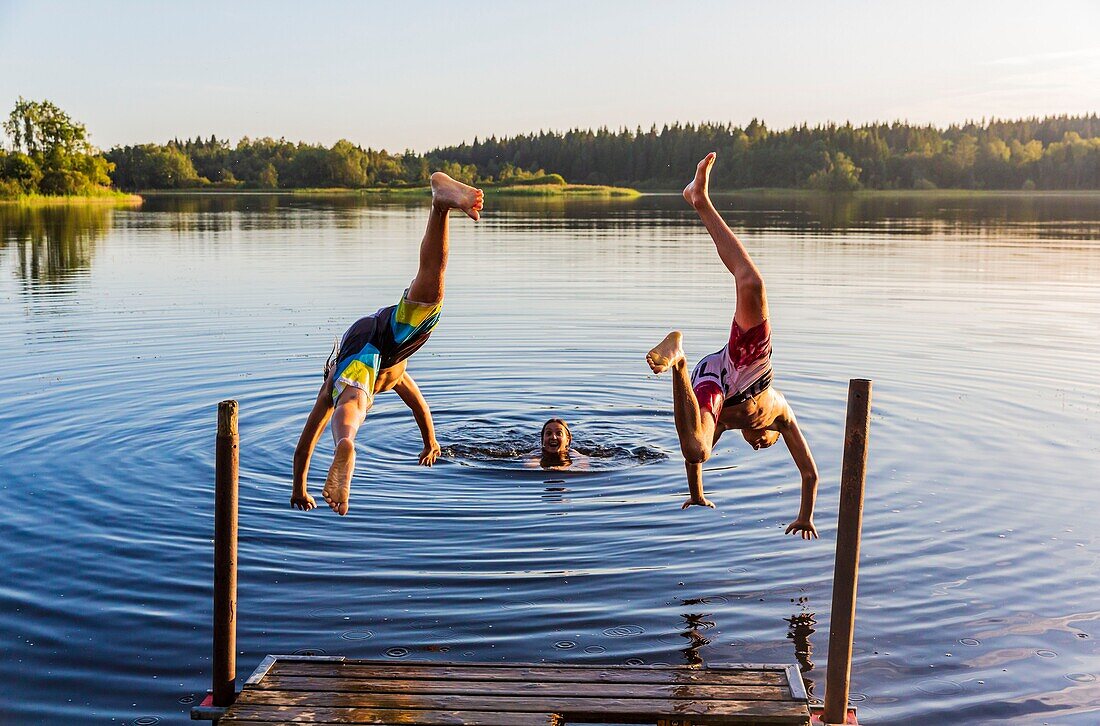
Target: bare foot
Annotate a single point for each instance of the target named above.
(667, 353)
(338, 484)
(450, 194)
(696, 192)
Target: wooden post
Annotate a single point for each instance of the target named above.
(846, 569)
(227, 459)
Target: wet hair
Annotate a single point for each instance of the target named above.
(568, 433)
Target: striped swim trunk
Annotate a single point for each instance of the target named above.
(380, 341)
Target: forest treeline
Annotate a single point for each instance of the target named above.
(1060, 152)
(50, 154)
(1057, 152)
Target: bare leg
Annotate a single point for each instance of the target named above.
(447, 194)
(752, 302)
(695, 430)
(350, 412)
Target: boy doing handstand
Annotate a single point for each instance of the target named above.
(373, 354)
(731, 389)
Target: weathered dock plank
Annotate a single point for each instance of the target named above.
(724, 676)
(383, 717)
(518, 688)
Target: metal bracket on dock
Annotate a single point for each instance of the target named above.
(266, 663)
(796, 684)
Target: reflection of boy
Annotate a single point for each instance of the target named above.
(731, 389)
(373, 355)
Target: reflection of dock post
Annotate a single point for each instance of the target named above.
(227, 459)
(846, 569)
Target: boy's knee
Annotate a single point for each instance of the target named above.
(751, 286)
(352, 396)
(695, 452)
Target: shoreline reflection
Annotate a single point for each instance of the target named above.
(53, 244)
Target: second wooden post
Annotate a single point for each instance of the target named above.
(853, 474)
(226, 463)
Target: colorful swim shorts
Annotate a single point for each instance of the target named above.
(740, 370)
(381, 340)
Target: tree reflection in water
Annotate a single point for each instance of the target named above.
(52, 244)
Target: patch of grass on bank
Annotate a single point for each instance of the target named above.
(107, 196)
(527, 190)
(514, 190)
(398, 191)
(564, 190)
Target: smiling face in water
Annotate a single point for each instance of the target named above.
(555, 438)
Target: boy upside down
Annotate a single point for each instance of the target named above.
(373, 355)
(732, 388)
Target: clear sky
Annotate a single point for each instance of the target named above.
(411, 74)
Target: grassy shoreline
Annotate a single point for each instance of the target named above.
(567, 190)
(48, 200)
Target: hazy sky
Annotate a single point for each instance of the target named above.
(399, 75)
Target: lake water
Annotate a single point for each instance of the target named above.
(977, 318)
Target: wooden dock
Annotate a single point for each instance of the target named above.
(338, 690)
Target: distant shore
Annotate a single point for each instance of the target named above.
(596, 191)
(517, 190)
(50, 200)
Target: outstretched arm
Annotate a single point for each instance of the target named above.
(311, 433)
(694, 465)
(695, 486)
(409, 392)
(804, 460)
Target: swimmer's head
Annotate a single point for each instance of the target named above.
(556, 438)
(760, 438)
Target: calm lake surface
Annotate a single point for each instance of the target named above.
(977, 318)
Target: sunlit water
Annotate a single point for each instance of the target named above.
(978, 320)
